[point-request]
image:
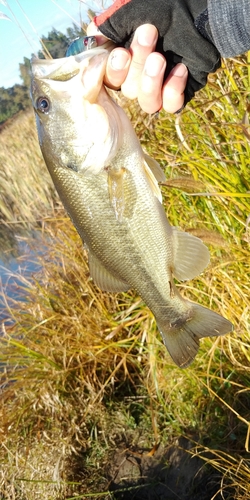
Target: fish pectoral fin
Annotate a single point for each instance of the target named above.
(116, 191)
(152, 180)
(155, 168)
(103, 278)
(191, 256)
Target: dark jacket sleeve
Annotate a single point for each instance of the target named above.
(229, 22)
(182, 34)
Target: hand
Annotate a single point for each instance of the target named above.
(139, 72)
(183, 38)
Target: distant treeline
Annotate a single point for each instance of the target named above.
(17, 98)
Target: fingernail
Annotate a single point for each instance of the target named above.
(146, 35)
(119, 60)
(154, 65)
(179, 70)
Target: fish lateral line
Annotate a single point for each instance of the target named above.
(114, 200)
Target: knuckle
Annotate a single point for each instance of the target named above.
(129, 90)
(171, 93)
(149, 105)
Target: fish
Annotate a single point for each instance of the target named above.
(110, 188)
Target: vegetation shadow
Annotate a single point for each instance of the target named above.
(171, 473)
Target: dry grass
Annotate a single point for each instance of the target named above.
(25, 185)
(83, 370)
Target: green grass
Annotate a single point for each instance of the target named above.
(85, 372)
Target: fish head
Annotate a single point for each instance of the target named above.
(73, 126)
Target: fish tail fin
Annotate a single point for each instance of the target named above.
(182, 340)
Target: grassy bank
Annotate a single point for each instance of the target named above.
(25, 185)
(91, 405)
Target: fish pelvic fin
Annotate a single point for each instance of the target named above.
(182, 341)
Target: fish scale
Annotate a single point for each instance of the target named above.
(109, 188)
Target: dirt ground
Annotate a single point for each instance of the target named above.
(166, 474)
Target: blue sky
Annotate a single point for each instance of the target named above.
(43, 14)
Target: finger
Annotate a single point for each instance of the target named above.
(92, 30)
(118, 61)
(173, 89)
(150, 91)
(142, 45)
(117, 68)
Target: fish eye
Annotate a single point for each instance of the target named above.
(43, 104)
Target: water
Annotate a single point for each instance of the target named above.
(17, 265)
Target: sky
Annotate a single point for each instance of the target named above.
(44, 15)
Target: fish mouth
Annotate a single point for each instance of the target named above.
(65, 68)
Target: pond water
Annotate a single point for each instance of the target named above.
(17, 265)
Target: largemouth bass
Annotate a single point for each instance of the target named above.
(110, 190)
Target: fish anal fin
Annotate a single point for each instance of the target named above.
(103, 278)
(182, 340)
(152, 181)
(155, 168)
(191, 256)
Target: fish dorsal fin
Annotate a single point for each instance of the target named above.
(103, 278)
(191, 256)
(155, 168)
(152, 181)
